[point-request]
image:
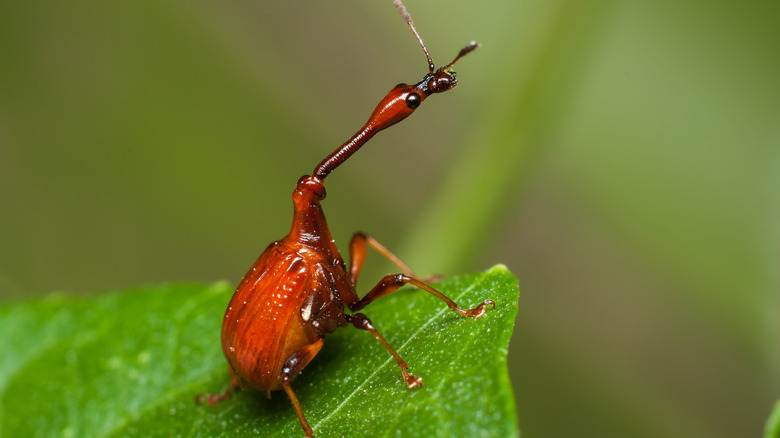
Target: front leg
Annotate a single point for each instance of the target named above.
(390, 283)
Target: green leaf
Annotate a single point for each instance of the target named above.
(772, 429)
(130, 364)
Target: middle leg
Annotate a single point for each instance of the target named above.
(362, 322)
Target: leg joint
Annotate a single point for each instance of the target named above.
(361, 321)
(400, 279)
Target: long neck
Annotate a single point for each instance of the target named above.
(344, 151)
(309, 226)
(390, 110)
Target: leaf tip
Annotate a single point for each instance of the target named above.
(498, 267)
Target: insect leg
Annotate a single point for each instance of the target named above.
(390, 283)
(357, 255)
(362, 322)
(212, 399)
(291, 368)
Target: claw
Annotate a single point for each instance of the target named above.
(211, 399)
(477, 311)
(411, 381)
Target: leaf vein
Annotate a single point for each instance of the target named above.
(388, 361)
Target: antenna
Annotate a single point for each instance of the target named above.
(408, 18)
(468, 49)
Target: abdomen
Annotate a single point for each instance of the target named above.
(262, 325)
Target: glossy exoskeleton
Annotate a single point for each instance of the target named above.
(296, 292)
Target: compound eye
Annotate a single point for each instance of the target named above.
(445, 83)
(413, 100)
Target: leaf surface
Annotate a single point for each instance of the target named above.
(772, 429)
(130, 363)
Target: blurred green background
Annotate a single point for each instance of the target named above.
(622, 158)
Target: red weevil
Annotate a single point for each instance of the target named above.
(296, 291)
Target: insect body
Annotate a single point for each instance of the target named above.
(297, 290)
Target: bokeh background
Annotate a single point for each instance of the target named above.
(622, 158)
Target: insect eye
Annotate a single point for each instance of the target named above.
(413, 100)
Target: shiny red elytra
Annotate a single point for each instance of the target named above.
(295, 293)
